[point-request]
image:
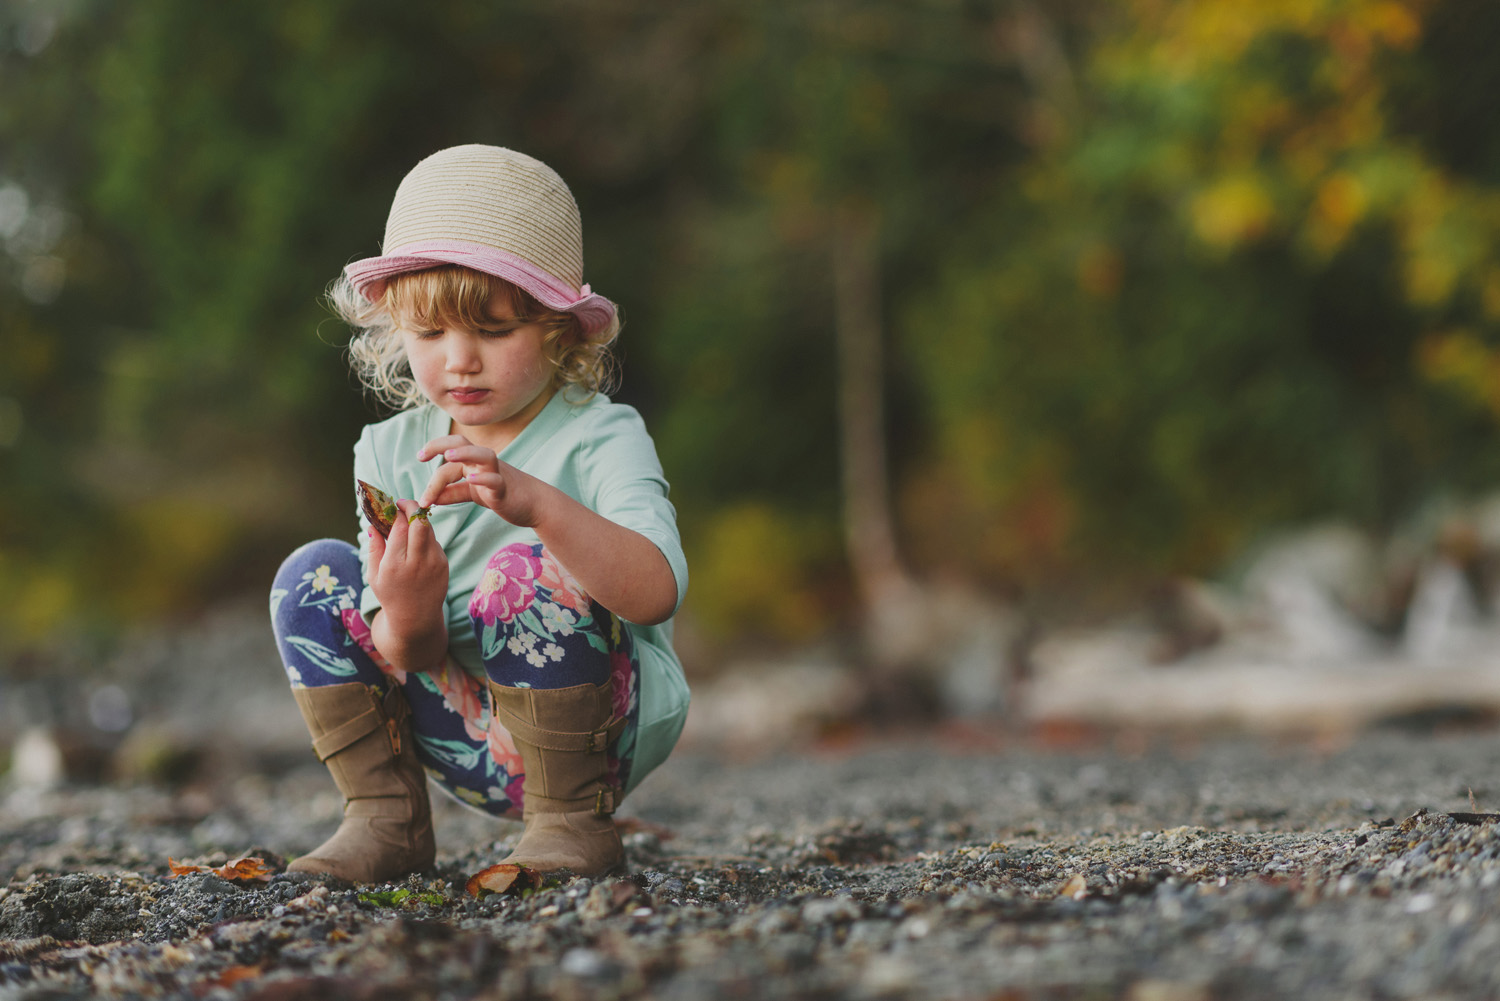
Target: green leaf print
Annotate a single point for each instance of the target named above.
(490, 642)
(277, 593)
(454, 753)
(321, 656)
(529, 619)
(597, 642)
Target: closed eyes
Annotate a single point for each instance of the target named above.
(490, 332)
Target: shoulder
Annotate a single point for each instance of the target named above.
(611, 440)
(612, 447)
(601, 418)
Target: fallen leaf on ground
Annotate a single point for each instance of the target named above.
(633, 825)
(235, 974)
(246, 868)
(504, 877)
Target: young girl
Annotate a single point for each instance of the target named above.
(515, 642)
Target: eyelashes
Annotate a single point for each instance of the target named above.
(488, 332)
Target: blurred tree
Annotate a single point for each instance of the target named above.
(178, 185)
(1148, 276)
(852, 139)
(1218, 296)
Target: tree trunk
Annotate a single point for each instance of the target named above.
(891, 599)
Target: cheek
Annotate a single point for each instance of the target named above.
(425, 365)
(524, 360)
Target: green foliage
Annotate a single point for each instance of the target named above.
(1201, 307)
(1157, 276)
(401, 898)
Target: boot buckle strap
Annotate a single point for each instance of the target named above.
(591, 742)
(599, 739)
(602, 802)
(379, 806)
(342, 736)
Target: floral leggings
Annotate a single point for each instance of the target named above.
(536, 628)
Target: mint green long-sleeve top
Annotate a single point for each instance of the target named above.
(597, 452)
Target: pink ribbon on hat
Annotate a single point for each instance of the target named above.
(369, 276)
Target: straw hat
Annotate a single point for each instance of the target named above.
(496, 211)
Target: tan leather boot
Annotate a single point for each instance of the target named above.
(561, 735)
(367, 744)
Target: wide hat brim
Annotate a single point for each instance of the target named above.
(595, 313)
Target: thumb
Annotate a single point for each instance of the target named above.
(377, 550)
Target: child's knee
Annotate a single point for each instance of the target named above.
(340, 559)
(313, 571)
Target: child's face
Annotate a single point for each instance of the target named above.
(492, 381)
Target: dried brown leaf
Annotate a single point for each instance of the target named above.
(1076, 887)
(503, 877)
(378, 506)
(246, 868)
(235, 974)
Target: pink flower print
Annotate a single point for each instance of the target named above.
(359, 631)
(623, 690)
(503, 749)
(507, 587)
(566, 591)
(461, 694)
(515, 791)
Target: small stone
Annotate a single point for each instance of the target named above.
(584, 963)
(830, 909)
(1421, 903)
(916, 927)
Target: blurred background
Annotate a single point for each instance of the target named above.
(994, 348)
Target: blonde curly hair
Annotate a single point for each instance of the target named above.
(454, 295)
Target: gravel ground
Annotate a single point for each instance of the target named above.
(930, 866)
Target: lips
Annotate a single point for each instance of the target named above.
(466, 395)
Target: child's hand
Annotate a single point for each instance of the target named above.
(474, 473)
(409, 574)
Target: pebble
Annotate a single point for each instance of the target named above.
(961, 884)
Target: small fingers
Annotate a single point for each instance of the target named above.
(441, 444)
(473, 455)
(454, 493)
(395, 542)
(377, 550)
(443, 477)
(491, 481)
(415, 518)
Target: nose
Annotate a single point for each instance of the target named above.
(462, 352)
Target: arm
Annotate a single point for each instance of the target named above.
(619, 568)
(409, 574)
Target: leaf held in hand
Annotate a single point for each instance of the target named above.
(378, 506)
(505, 877)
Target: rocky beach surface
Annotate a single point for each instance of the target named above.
(937, 865)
